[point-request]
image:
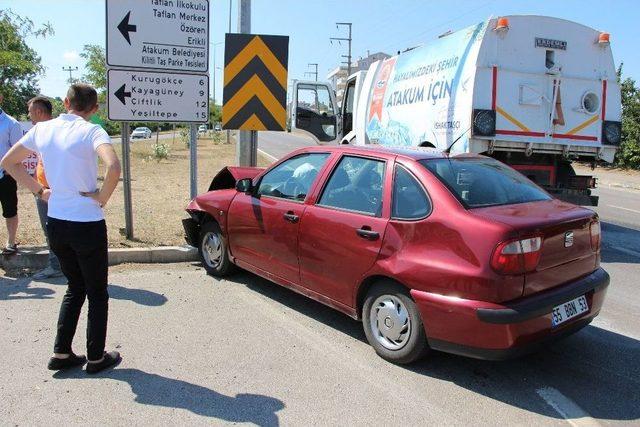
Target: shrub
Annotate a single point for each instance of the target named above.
(160, 151)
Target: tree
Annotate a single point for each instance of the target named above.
(96, 66)
(628, 156)
(20, 65)
(215, 112)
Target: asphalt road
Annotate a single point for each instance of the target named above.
(203, 351)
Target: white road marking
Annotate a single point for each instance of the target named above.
(569, 410)
(624, 209)
(264, 153)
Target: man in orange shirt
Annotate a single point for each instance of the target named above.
(40, 110)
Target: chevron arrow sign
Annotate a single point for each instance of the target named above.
(255, 82)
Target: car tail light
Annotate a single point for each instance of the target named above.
(595, 235)
(517, 256)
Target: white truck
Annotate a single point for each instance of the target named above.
(534, 92)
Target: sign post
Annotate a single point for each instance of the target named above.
(158, 59)
(126, 180)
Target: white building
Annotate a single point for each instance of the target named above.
(338, 76)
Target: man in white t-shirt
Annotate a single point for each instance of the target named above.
(76, 228)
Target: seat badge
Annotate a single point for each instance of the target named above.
(568, 239)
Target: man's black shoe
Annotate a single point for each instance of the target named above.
(56, 364)
(110, 359)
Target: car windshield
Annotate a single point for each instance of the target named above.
(481, 182)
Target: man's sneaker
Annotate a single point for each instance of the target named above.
(47, 273)
(10, 249)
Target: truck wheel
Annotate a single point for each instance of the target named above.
(392, 324)
(213, 250)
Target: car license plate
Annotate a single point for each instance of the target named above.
(568, 310)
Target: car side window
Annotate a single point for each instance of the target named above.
(292, 178)
(409, 198)
(355, 185)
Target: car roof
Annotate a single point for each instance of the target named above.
(410, 152)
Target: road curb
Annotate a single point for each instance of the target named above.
(37, 257)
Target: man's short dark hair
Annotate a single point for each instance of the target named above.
(82, 97)
(43, 103)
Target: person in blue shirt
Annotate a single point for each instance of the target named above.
(10, 133)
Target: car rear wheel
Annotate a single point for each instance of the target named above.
(213, 250)
(393, 325)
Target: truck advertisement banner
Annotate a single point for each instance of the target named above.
(425, 95)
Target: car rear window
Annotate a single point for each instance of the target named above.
(484, 182)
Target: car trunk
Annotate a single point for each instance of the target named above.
(562, 259)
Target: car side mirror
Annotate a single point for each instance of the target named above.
(244, 185)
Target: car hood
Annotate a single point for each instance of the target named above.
(229, 175)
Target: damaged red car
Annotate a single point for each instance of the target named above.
(454, 253)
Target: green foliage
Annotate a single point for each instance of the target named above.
(218, 137)
(185, 136)
(628, 156)
(19, 64)
(215, 112)
(160, 151)
(95, 65)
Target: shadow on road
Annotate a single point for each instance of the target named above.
(597, 369)
(139, 296)
(156, 390)
(302, 304)
(620, 244)
(23, 288)
(20, 289)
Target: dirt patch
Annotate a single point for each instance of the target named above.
(160, 192)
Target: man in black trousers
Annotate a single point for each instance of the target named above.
(77, 232)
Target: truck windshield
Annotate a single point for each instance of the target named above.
(482, 182)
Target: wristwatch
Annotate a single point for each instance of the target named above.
(39, 193)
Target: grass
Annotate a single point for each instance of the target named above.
(159, 191)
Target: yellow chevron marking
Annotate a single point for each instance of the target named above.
(253, 123)
(512, 119)
(256, 47)
(254, 87)
(578, 128)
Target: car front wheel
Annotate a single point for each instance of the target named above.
(213, 250)
(393, 325)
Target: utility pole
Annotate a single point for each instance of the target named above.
(347, 39)
(70, 70)
(228, 131)
(247, 148)
(214, 70)
(315, 73)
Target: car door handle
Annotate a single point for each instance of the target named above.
(291, 217)
(366, 233)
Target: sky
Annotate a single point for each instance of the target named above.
(378, 25)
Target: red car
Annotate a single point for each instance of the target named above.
(454, 253)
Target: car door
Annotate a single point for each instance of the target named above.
(341, 234)
(263, 226)
(314, 112)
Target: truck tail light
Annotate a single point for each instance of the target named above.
(517, 256)
(484, 122)
(595, 235)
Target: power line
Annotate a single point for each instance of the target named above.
(315, 73)
(347, 39)
(70, 70)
